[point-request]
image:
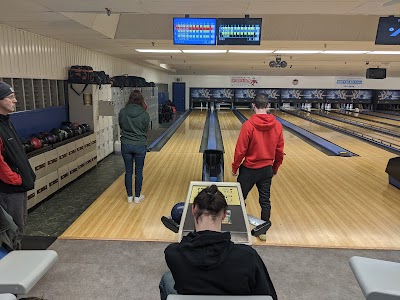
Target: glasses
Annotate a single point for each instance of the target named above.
(12, 97)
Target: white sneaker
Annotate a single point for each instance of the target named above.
(139, 199)
(130, 199)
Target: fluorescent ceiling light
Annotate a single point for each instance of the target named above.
(204, 51)
(158, 50)
(251, 51)
(298, 51)
(384, 52)
(343, 52)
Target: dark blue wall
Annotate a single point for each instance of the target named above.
(34, 121)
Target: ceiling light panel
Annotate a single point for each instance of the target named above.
(297, 51)
(384, 52)
(158, 51)
(251, 51)
(204, 51)
(343, 52)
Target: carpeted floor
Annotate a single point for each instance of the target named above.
(131, 270)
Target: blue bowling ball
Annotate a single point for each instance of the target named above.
(177, 211)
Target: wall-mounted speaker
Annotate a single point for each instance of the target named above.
(376, 73)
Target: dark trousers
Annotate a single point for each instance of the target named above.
(262, 178)
(16, 206)
(133, 155)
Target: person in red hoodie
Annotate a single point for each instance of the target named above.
(259, 153)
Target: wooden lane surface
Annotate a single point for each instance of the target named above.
(330, 202)
(366, 131)
(364, 121)
(383, 115)
(375, 118)
(318, 201)
(350, 143)
(167, 175)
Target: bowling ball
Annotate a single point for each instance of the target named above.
(83, 128)
(51, 138)
(177, 211)
(37, 144)
(69, 132)
(87, 126)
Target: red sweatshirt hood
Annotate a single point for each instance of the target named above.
(263, 122)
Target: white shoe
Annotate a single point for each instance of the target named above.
(139, 199)
(130, 199)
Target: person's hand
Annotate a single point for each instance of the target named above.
(234, 174)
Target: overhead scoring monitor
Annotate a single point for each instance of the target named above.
(194, 31)
(239, 31)
(388, 31)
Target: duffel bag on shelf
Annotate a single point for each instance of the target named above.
(120, 81)
(100, 77)
(80, 74)
(150, 84)
(135, 81)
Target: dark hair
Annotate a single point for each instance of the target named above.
(261, 100)
(136, 97)
(210, 201)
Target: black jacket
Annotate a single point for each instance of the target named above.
(15, 157)
(209, 263)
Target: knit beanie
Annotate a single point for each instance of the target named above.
(5, 90)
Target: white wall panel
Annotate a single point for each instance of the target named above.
(28, 55)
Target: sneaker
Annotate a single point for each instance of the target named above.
(130, 199)
(262, 237)
(139, 199)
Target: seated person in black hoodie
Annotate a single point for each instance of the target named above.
(207, 262)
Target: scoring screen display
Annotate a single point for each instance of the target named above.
(194, 31)
(239, 31)
(388, 31)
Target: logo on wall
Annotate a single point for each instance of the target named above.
(349, 82)
(245, 81)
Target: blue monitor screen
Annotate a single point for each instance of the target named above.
(388, 31)
(239, 31)
(191, 31)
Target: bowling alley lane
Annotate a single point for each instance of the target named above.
(317, 200)
(187, 138)
(167, 175)
(377, 118)
(327, 201)
(365, 131)
(345, 141)
(351, 117)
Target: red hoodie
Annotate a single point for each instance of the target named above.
(260, 143)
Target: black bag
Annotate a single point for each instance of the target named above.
(135, 81)
(80, 74)
(150, 84)
(120, 81)
(100, 77)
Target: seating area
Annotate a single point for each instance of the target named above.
(209, 297)
(21, 270)
(378, 279)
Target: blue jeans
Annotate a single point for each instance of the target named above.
(167, 285)
(133, 154)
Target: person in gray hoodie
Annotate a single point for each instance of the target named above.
(134, 122)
